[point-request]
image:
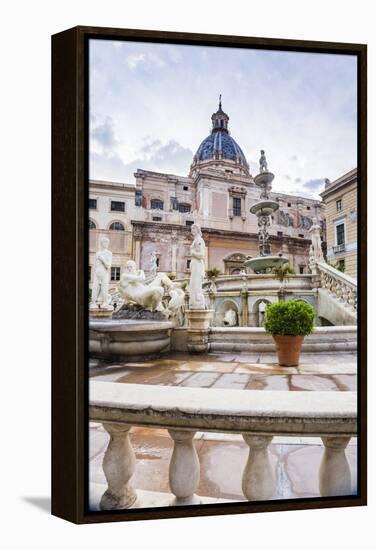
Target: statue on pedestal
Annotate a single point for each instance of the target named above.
(102, 267)
(153, 264)
(196, 296)
(262, 162)
(315, 232)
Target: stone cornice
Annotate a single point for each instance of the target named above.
(94, 184)
(347, 179)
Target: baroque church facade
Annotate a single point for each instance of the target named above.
(156, 213)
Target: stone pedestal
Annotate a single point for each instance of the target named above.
(100, 313)
(198, 329)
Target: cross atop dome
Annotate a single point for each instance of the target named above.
(220, 118)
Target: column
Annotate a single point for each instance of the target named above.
(184, 474)
(119, 464)
(334, 473)
(258, 481)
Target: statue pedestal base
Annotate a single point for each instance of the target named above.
(198, 329)
(100, 313)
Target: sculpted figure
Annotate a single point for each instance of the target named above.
(133, 290)
(230, 318)
(102, 268)
(262, 161)
(316, 240)
(153, 264)
(176, 305)
(196, 296)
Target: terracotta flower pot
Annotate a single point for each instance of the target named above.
(288, 349)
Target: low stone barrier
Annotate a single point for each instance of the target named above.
(257, 415)
(255, 339)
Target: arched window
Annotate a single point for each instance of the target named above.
(156, 204)
(92, 225)
(183, 207)
(116, 226)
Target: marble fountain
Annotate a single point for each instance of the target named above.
(154, 314)
(263, 209)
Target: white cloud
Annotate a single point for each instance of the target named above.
(300, 108)
(134, 59)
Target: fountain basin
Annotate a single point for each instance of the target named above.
(263, 178)
(265, 264)
(128, 339)
(264, 207)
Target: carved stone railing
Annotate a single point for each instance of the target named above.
(338, 284)
(257, 415)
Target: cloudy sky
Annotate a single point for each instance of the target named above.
(150, 108)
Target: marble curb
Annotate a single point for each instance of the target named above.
(147, 499)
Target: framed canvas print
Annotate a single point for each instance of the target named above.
(209, 284)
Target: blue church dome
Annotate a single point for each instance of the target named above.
(219, 144)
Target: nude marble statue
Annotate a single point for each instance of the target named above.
(102, 267)
(315, 232)
(196, 296)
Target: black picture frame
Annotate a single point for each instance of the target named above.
(70, 267)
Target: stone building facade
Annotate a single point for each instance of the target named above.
(217, 194)
(340, 199)
(111, 209)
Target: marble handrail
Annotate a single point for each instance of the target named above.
(343, 287)
(257, 415)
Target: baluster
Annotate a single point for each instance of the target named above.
(258, 481)
(350, 297)
(119, 464)
(334, 473)
(184, 474)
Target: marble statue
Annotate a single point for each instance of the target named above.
(153, 264)
(175, 308)
(312, 261)
(262, 161)
(315, 232)
(133, 289)
(196, 296)
(230, 318)
(102, 268)
(262, 310)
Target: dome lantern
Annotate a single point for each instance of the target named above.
(220, 118)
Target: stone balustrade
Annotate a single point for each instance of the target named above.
(342, 287)
(257, 415)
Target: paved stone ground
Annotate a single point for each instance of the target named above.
(222, 457)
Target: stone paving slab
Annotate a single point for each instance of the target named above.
(328, 372)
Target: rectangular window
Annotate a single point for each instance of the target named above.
(117, 206)
(301, 269)
(156, 219)
(188, 264)
(340, 233)
(289, 204)
(301, 235)
(308, 208)
(185, 188)
(280, 233)
(115, 273)
(341, 265)
(236, 206)
(184, 207)
(339, 205)
(93, 204)
(138, 197)
(189, 222)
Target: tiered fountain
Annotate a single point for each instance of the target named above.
(263, 209)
